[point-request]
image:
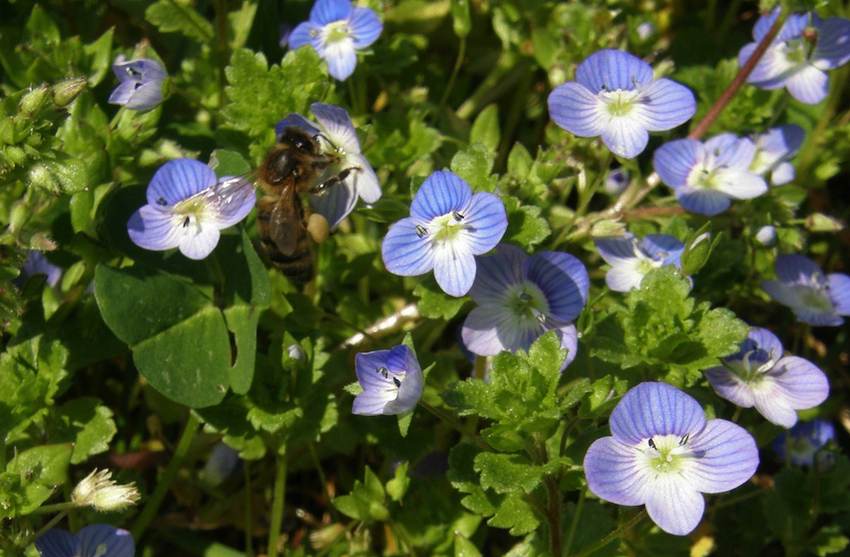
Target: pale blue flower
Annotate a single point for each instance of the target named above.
(96, 540)
(805, 48)
(631, 259)
(447, 227)
(335, 133)
(38, 264)
(616, 97)
(392, 381)
(766, 235)
(814, 298)
(616, 181)
(774, 149)
(759, 376)
(707, 176)
(337, 30)
(664, 454)
(140, 83)
(520, 298)
(187, 206)
(802, 444)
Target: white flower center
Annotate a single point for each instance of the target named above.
(527, 303)
(336, 32)
(392, 381)
(189, 214)
(443, 230)
(752, 366)
(619, 102)
(666, 454)
(814, 297)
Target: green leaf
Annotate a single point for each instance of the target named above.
(461, 20)
(515, 514)
(30, 376)
(465, 548)
(366, 501)
(434, 303)
(180, 342)
(504, 473)
(240, 22)
(485, 129)
(261, 95)
(829, 540)
(41, 470)
(698, 249)
(229, 163)
(525, 225)
(84, 423)
(474, 164)
(397, 486)
(178, 16)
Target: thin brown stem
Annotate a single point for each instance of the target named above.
(745, 71)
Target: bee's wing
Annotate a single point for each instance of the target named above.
(286, 224)
(227, 194)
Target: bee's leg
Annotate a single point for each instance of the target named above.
(318, 227)
(332, 181)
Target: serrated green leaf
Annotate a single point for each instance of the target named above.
(525, 225)
(474, 165)
(515, 514)
(41, 470)
(85, 424)
(179, 16)
(507, 473)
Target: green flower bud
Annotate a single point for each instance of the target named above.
(66, 91)
(33, 101)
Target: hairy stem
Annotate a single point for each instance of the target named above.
(461, 54)
(553, 516)
(277, 506)
(151, 508)
(249, 523)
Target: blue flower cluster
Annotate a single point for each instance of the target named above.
(662, 453)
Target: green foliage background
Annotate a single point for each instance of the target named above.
(109, 375)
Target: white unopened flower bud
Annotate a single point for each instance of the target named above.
(99, 491)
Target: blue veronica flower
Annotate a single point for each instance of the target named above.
(758, 375)
(336, 134)
(140, 83)
(803, 442)
(774, 149)
(37, 264)
(615, 96)
(392, 381)
(520, 297)
(631, 259)
(814, 298)
(664, 454)
(616, 181)
(187, 206)
(766, 235)
(447, 227)
(800, 55)
(337, 30)
(96, 540)
(705, 176)
(221, 463)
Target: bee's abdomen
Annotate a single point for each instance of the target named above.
(297, 262)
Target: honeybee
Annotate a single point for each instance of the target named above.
(298, 164)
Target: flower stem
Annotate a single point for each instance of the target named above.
(745, 71)
(574, 523)
(152, 506)
(553, 515)
(50, 524)
(55, 508)
(249, 523)
(461, 54)
(625, 527)
(278, 499)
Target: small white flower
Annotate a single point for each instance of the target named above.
(99, 491)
